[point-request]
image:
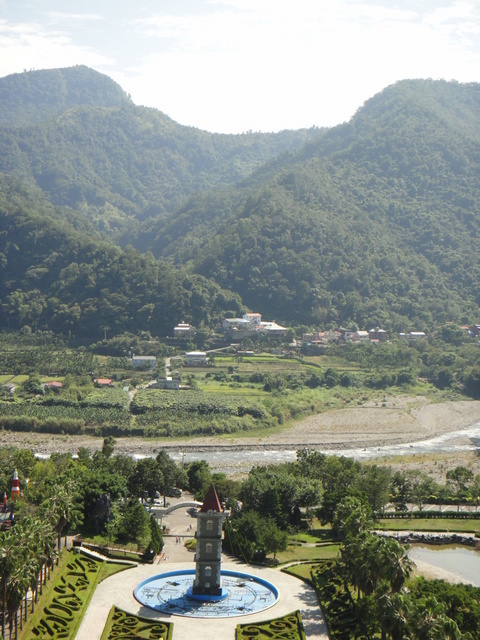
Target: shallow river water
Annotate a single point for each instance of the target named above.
(238, 461)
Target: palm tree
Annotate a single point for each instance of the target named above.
(61, 509)
(8, 546)
(395, 563)
(18, 584)
(429, 621)
(393, 613)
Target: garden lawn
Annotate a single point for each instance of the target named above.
(429, 524)
(299, 553)
(302, 571)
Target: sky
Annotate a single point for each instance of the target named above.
(247, 65)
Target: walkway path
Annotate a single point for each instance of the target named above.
(118, 590)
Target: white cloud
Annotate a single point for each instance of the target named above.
(56, 17)
(28, 45)
(276, 64)
(233, 65)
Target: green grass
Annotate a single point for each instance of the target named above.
(296, 553)
(314, 536)
(225, 389)
(5, 378)
(429, 524)
(19, 379)
(301, 571)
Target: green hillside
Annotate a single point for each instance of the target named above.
(56, 277)
(375, 222)
(76, 134)
(36, 96)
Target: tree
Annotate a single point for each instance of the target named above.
(147, 478)
(459, 478)
(135, 524)
(393, 612)
(33, 385)
(430, 622)
(199, 477)
(352, 517)
(271, 492)
(156, 538)
(169, 471)
(108, 446)
(375, 482)
(395, 563)
(272, 539)
(420, 487)
(62, 507)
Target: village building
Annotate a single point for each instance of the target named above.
(231, 325)
(103, 382)
(272, 329)
(165, 383)
(413, 336)
(360, 336)
(144, 361)
(254, 319)
(196, 359)
(183, 330)
(53, 384)
(378, 334)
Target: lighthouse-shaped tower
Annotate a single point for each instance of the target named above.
(208, 556)
(15, 486)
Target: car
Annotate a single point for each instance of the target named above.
(192, 511)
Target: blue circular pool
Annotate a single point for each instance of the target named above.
(168, 593)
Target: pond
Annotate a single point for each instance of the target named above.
(463, 562)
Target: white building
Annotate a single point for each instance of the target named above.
(195, 359)
(253, 318)
(183, 330)
(144, 361)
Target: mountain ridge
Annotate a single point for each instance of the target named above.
(374, 221)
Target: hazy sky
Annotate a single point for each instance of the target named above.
(236, 65)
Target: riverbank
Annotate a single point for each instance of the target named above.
(431, 572)
(397, 420)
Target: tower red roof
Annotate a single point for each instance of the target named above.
(211, 502)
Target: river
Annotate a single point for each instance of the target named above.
(242, 460)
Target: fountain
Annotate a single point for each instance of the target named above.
(207, 591)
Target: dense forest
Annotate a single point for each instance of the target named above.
(375, 222)
(114, 215)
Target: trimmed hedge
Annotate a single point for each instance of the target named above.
(289, 626)
(121, 624)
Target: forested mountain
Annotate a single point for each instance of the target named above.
(56, 277)
(77, 135)
(375, 222)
